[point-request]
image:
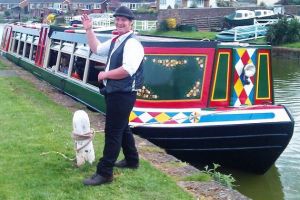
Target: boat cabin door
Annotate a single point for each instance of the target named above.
(243, 76)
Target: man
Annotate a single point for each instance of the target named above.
(121, 79)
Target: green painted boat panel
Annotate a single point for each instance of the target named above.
(263, 86)
(221, 81)
(173, 77)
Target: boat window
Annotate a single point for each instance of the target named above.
(64, 63)
(29, 39)
(34, 48)
(52, 59)
(18, 35)
(257, 13)
(94, 69)
(238, 15)
(246, 14)
(23, 37)
(171, 72)
(36, 40)
(21, 47)
(15, 48)
(27, 50)
(78, 67)
(99, 58)
(82, 49)
(55, 44)
(67, 47)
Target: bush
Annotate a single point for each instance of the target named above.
(145, 9)
(163, 26)
(171, 23)
(284, 32)
(186, 28)
(6, 13)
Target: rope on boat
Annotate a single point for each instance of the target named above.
(195, 116)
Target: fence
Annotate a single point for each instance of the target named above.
(242, 33)
(108, 21)
(145, 25)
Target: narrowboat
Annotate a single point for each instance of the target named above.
(202, 101)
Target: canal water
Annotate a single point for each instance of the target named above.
(282, 181)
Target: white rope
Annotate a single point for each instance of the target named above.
(90, 135)
(56, 152)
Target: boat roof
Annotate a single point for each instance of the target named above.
(60, 33)
(244, 11)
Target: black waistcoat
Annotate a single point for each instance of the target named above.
(129, 83)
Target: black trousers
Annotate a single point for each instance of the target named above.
(117, 132)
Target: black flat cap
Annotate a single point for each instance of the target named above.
(124, 12)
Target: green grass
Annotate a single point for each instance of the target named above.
(192, 35)
(200, 176)
(2, 65)
(32, 124)
(209, 174)
(292, 45)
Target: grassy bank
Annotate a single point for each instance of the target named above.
(32, 124)
(292, 45)
(2, 65)
(191, 35)
(208, 35)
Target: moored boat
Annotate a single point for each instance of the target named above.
(248, 17)
(242, 33)
(202, 101)
(240, 18)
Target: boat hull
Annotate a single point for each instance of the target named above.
(247, 146)
(239, 22)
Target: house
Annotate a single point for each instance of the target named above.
(165, 4)
(132, 4)
(267, 2)
(36, 7)
(8, 4)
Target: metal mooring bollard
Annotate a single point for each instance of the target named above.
(83, 136)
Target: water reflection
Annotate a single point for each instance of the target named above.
(282, 181)
(287, 87)
(260, 187)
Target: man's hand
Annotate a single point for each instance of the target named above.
(87, 22)
(102, 76)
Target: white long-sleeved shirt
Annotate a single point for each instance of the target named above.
(132, 55)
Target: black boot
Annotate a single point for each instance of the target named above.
(97, 179)
(125, 164)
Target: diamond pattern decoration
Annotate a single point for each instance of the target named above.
(245, 58)
(243, 87)
(164, 117)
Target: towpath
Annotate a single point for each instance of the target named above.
(156, 156)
